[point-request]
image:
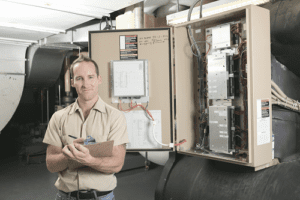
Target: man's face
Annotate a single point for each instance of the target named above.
(85, 80)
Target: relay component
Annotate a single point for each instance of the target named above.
(220, 79)
(221, 125)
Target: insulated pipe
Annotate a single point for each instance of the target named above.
(48, 105)
(199, 178)
(59, 97)
(42, 104)
(67, 76)
(129, 9)
(139, 15)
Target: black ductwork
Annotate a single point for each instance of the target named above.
(43, 66)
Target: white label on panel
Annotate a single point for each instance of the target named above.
(222, 125)
(223, 113)
(263, 121)
(140, 129)
(122, 42)
(198, 31)
(224, 136)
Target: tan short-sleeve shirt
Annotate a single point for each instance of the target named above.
(104, 123)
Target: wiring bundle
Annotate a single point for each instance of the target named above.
(280, 99)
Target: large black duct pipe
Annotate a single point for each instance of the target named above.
(285, 20)
(285, 29)
(194, 178)
(44, 66)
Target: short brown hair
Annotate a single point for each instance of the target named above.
(80, 59)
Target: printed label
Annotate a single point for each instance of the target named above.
(263, 121)
(222, 125)
(223, 132)
(224, 136)
(128, 47)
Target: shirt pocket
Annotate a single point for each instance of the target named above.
(100, 134)
(69, 130)
(66, 140)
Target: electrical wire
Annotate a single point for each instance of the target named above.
(131, 108)
(190, 27)
(169, 145)
(276, 87)
(153, 121)
(155, 136)
(200, 42)
(280, 99)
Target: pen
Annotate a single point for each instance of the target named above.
(72, 136)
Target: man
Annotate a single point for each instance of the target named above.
(89, 115)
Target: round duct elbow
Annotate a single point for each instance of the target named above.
(43, 66)
(169, 9)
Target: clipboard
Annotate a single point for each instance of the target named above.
(103, 149)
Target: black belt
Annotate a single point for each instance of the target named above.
(88, 194)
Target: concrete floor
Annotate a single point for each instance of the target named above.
(19, 181)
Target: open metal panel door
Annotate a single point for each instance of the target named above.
(136, 67)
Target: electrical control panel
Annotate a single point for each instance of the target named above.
(224, 63)
(129, 81)
(211, 104)
(231, 77)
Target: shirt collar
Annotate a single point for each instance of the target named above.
(100, 106)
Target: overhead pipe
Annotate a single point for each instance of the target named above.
(68, 99)
(139, 15)
(42, 105)
(47, 105)
(59, 95)
(67, 76)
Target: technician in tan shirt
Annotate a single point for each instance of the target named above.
(89, 115)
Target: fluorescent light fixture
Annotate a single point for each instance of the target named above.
(211, 9)
(93, 8)
(31, 28)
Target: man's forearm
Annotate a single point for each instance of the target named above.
(107, 165)
(57, 162)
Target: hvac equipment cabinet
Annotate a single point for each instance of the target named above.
(173, 81)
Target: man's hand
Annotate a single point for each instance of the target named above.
(78, 152)
(79, 141)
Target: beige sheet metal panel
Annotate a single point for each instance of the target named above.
(184, 76)
(105, 46)
(259, 86)
(259, 77)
